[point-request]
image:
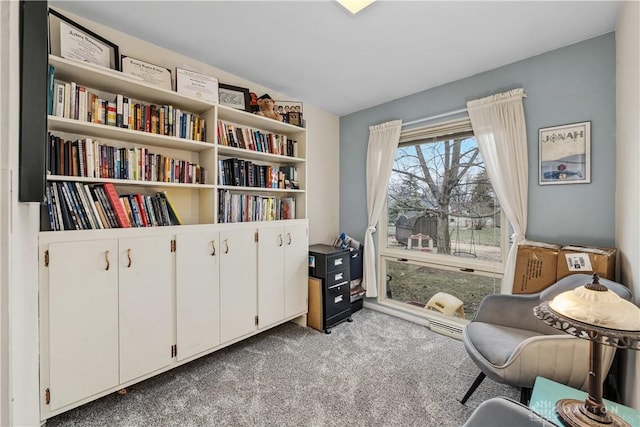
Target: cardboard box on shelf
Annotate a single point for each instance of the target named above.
(584, 259)
(536, 265)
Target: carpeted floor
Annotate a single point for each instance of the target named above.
(377, 371)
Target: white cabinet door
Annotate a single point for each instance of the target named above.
(271, 250)
(238, 281)
(146, 305)
(197, 293)
(296, 269)
(83, 319)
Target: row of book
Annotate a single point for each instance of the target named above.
(77, 206)
(234, 207)
(88, 158)
(74, 101)
(245, 173)
(231, 135)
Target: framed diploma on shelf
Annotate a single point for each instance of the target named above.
(197, 85)
(70, 40)
(153, 74)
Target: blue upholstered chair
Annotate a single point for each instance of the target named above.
(512, 346)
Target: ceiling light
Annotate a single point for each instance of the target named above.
(355, 6)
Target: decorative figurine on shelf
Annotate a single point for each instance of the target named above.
(253, 103)
(265, 103)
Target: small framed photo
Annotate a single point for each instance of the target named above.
(565, 154)
(153, 74)
(234, 97)
(197, 85)
(287, 107)
(70, 40)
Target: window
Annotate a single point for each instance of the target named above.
(445, 231)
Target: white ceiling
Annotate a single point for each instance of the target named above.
(317, 52)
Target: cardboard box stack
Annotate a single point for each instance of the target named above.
(536, 265)
(584, 259)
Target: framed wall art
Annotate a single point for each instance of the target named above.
(234, 96)
(291, 111)
(565, 154)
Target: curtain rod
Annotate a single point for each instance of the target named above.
(438, 116)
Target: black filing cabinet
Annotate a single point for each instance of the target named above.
(331, 265)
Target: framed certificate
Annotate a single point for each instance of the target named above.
(150, 73)
(197, 85)
(71, 40)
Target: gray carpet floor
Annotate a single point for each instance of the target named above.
(376, 371)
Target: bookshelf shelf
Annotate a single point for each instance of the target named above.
(130, 182)
(242, 118)
(113, 81)
(96, 130)
(257, 155)
(258, 190)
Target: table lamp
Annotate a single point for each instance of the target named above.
(595, 313)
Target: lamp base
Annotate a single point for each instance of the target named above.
(574, 414)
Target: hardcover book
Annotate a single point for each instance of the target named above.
(116, 205)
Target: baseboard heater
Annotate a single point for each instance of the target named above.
(445, 328)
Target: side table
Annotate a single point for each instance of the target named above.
(546, 393)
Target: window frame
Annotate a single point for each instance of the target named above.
(494, 269)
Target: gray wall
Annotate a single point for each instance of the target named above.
(572, 84)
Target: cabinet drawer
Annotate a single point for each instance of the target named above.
(337, 261)
(336, 300)
(337, 278)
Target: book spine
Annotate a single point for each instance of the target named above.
(50, 97)
(71, 209)
(82, 103)
(65, 213)
(78, 206)
(85, 206)
(153, 222)
(106, 205)
(116, 205)
(58, 104)
(99, 224)
(144, 215)
(50, 208)
(119, 110)
(111, 113)
(135, 210)
(126, 109)
(128, 210)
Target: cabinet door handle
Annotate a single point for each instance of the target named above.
(106, 259)
(226, 246)
(129, 258)
(213, 248)
(289, 237)
(279, 239)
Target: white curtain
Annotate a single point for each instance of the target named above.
(383, 142)
(499, 127)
